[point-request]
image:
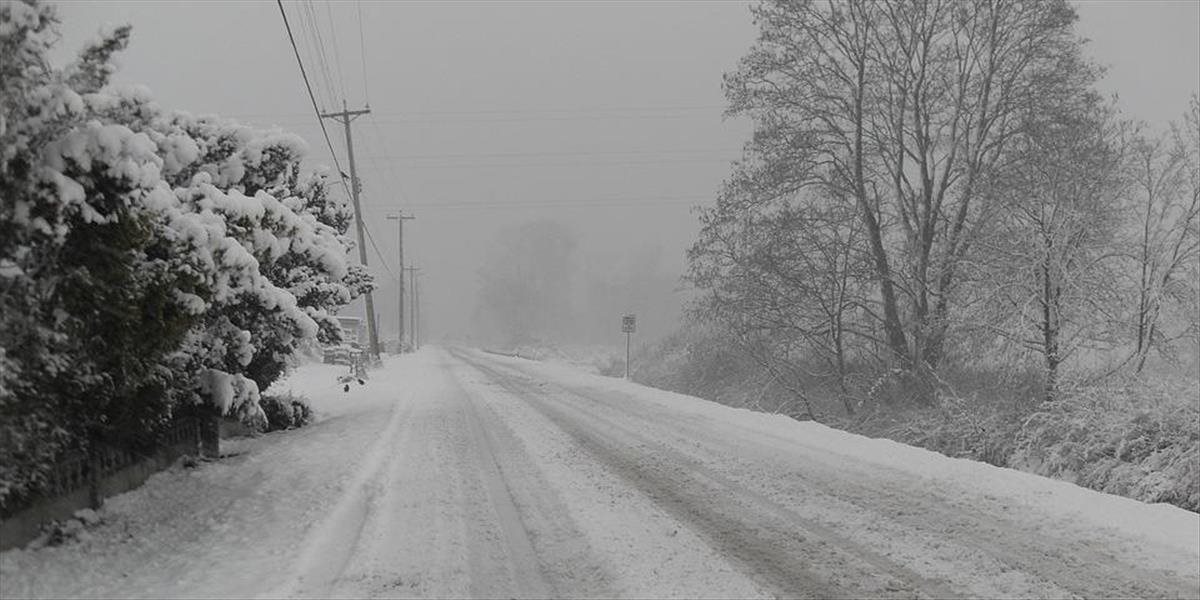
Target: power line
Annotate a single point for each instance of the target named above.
(316, 109)
(524, 111)
(317, 48)
(567, 110)
(362, 52)
(382, 260)
(337, 57)
(597, 202)
(329, 80)
(388, 173)
(661, 153)
(583, 164)
(325, 131)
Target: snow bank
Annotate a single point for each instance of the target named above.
(1047, 500)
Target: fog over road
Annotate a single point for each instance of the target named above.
(455, 473)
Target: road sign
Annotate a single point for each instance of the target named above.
(628, 326)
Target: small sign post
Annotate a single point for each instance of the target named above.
(628, 325)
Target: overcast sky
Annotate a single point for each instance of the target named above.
(605, 116)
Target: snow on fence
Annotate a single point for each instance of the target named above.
(81, 480)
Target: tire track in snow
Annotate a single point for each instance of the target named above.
(1074, 566)
(991, 538)
(564, 562)
(597, 536)
(788, 552)
(525, 570)
(327, 549)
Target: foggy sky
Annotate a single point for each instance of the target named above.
(604, 116)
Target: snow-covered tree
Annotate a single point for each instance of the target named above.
(1052, 262)
(87, 286)
(149, 260)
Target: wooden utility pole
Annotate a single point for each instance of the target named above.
(412, 312)
(416, 313)
(345, 117)
(400, 218)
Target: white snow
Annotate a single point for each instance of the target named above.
(1051, 500)
(440, 478)
(227, 528)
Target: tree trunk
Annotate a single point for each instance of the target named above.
(891, 314)
(1050, 331)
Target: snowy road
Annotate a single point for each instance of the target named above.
(457, 473)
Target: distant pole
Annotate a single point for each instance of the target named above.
(400, 218)
(627, 336)
(412, 312)
(416, 313)
(344, 117)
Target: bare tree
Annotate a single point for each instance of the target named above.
(1053, 254)
(902, 109)
(789, 276)
(1166, 246)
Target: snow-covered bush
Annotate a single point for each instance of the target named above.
(1136, 438)
(286, 411)
(150, 261)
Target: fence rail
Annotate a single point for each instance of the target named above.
(82, 480)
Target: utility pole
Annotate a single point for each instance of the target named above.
(400, 218)
(412, 312)
(628, 326)
(417, 316)
(344, 117)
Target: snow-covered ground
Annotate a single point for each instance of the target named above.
(458, 473)
(593, 358)
(228, 527)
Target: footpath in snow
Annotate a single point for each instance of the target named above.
(229, 527)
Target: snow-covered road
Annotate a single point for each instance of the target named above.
(457, 473)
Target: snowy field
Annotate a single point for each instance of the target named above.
(457, 473)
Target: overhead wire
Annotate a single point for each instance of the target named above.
(531, 114)
(322, 55)
(376, 160)
(593, 203)
(317, 111)
(325, 132)
(319, 48)
(362, 53)
(337, 56)
(382, 260)
(311, 96)
(644, 162)
(316, 46)
(342, 86)
(571, 109)
(585, 153)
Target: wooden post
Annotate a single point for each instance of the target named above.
(210, 434)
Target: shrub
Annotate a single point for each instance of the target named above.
(1132, 437)
(150, 260)
(286, 411)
